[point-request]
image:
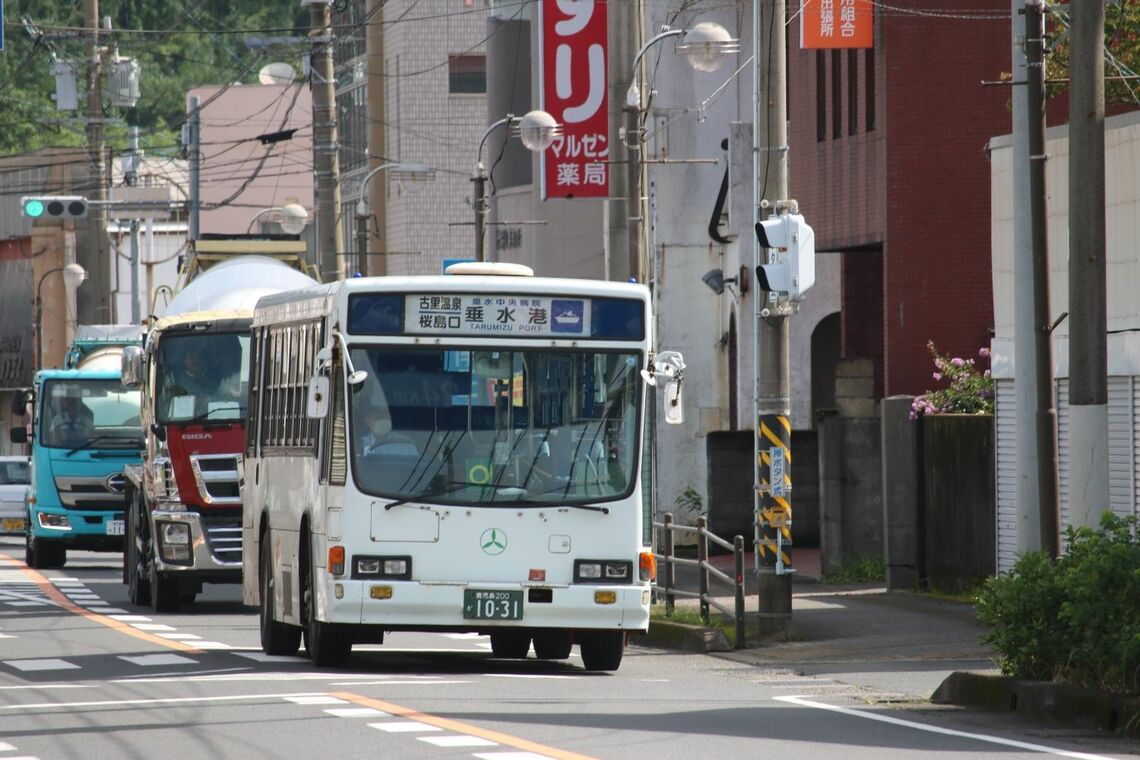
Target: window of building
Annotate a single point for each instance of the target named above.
(852, 91)
(836, 94)
(820, 96)
(467, 74)
(869, 87)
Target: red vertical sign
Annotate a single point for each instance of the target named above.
(574, 91)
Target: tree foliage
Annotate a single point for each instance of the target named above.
(180, 44)
(1121, 58)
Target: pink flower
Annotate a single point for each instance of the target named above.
(958, 362)
(937, 375)
(984, 352)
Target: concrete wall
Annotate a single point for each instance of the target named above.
(902, 499)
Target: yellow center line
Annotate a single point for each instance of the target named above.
(463, 728)
(57, 596)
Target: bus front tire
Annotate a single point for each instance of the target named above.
(276, 638)
(327, 646)
(510, 644)
(601, 650)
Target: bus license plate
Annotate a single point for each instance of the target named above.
(492, 605)
(116, 527)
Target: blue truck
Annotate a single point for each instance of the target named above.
(84, 430)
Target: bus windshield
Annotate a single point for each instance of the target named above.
(100, 413)
(202, 378)
(450, 426)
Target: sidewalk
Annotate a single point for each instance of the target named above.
(889, 646)
(897, 642)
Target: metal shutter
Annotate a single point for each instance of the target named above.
(1005, 471)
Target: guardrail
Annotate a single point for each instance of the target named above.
(667, 580)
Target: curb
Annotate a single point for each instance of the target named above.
(688, 638)
(1057, 704)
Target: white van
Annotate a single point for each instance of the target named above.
(15, 480)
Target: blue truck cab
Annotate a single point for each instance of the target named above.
(84, 431)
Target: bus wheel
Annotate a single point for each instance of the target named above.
(554, 644)
(138, 584)
(328, 647)
(276, 638)
(163, 590)
(510, 644)
(601, 650)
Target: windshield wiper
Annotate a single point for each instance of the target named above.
(451, 487)
(204, 415)
(96, 438)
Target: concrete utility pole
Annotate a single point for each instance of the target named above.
(374, 254)
(194, 158)
(132, 179)
(1088, 319)
(330, 237)
(773, 405)
(93, 254)
(1037, 527)
(623, 252)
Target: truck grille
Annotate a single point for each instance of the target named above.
(222, 529)
(91, 493)
(218, 477)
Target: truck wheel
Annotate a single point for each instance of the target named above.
(554, 644)
(163, 591)
(327, 646)
(276, 638)
(601, 650)
(138, 583)
(510, 644)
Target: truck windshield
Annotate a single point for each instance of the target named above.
(75, 411)
(202, 377)
(496, 427)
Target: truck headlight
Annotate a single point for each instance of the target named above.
(174, 541)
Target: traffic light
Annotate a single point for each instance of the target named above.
(53, 206)
(794, 271)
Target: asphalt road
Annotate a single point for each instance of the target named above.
(83, 673)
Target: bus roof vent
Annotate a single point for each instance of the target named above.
(490, 268)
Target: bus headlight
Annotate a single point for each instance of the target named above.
(392, 568)
(603, 571)
(174, 541)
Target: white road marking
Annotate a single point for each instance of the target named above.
(262, 657)
(155, 701)
(458, 741)
(529, 675)
(180, 637)
(130, 618)
(317, 699)
(153, 627)
(6, 747)
(357, 712)
(106, 610)
(939, 730)
(393, 683)
(152, 660)
(509, 756)
(30, 665)
(404, 727)
(26, 603)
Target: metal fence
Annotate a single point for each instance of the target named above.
(667, 579)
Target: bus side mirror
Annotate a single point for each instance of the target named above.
(131, 367)
(317, 403)
(674, 402)
(18, 434)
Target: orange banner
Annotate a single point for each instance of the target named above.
(829, 24)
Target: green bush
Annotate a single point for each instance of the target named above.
(1075, 619)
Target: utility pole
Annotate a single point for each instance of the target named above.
(330, 237)
(132, 179)
(92, 304)
(193, 142)
(1037, 527)
(1088, 319)
(623, 254)
(374, 254)
(773, 438)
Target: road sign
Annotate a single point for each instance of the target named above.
(777, 471)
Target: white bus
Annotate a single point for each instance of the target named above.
(451, 453)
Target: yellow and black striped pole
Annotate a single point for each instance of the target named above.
(774, 444)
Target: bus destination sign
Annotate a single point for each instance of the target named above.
(497, 315)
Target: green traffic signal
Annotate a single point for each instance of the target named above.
(53, 206)
(34, 208)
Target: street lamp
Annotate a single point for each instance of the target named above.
(705, 47)
(73, 277)
(537, 130)
(292, 217)
(410, 170)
